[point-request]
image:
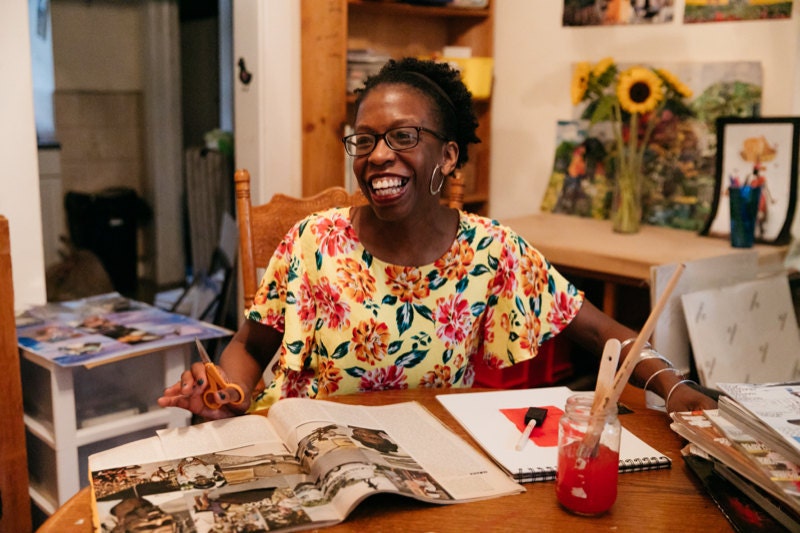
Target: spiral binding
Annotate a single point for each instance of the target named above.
(533, 475)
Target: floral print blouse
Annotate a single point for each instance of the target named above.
(352, 322)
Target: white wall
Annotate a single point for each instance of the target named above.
(267, 116)
(98, 46)
(19, 185)
(534, 55)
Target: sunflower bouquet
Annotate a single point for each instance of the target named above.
(632, 101)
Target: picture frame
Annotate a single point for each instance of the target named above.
(764, 149)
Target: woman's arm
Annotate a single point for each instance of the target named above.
(242, 362)
(591, 328)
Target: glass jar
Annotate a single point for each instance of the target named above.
(586, 478)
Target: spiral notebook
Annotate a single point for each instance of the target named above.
(489, 417)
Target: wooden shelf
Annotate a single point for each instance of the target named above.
(402, 8)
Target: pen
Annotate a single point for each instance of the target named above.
(533, 417)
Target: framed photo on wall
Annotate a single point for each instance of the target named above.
(757, 151)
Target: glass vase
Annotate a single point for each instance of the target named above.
(626, 201)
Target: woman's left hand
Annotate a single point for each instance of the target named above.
(686, 398)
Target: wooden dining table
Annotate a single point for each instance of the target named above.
(658, 500)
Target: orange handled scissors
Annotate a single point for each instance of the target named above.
(215, 381)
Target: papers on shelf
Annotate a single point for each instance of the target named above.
(101, 328)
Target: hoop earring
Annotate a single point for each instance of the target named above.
(441, 183)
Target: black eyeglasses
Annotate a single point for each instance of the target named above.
(398, 139)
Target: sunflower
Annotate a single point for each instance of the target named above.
(639, 90)
(580, 81)
(672, 80)
(602, 66)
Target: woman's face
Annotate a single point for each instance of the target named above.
(398, 183)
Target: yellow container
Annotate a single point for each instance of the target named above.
(476, 72)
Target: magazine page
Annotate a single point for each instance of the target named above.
(775, 405)
(105, 327)
(245, 489)
(226, 475)
(225, 434)
(418, 454)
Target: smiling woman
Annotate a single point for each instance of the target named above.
(405, 291)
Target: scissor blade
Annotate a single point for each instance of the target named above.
(203, 354)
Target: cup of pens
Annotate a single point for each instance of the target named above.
(744, 200)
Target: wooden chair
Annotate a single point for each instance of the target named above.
(454, 191)
(15, 506)
(262, 227)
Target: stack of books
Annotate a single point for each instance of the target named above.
(747, 453)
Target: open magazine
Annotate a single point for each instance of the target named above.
(306, 465)
(769, 412)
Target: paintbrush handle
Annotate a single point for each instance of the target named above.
(611, 396)
(605, 376)
(625, 371)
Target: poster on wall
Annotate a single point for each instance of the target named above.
(616, 12)
(735, 10)
(680, 160)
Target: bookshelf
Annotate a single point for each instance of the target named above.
(330, 27)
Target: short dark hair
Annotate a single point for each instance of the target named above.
(442, 83)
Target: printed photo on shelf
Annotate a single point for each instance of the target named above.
(716, 11)
(578, 183)
(614, 12)
(679, 163)
(760, 153)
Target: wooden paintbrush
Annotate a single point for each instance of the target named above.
(611, 397)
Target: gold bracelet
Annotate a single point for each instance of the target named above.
(669, 395)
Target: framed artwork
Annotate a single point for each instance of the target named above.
(759, 151)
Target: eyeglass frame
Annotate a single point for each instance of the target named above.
(378, 136)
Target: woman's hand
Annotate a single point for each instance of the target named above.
(686, 398)
(188, 394)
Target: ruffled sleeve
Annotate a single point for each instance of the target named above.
(529, 302)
